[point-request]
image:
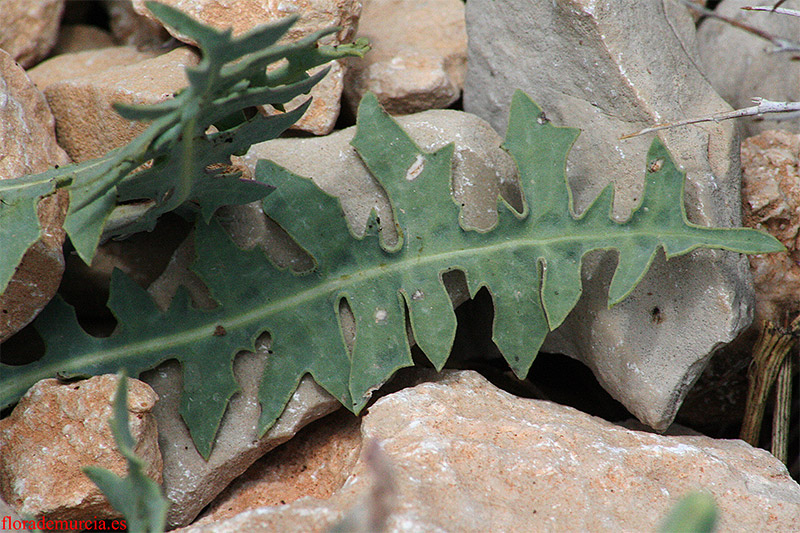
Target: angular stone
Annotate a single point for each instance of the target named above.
(315, 463)
(320, 117)
(417, 62)
(29, 30)
(190, 482)
(459, 454)
(28, 146)
(243, 15)
(315, 15)
(481, 169)
(739, 66)
(79, 64)
(133, 29)
(80, 37)
(86, 124)
(771, 201)
(596, 66)
(57, 429)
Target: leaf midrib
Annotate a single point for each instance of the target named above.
(257, 314)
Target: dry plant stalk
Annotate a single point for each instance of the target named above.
(769, 353)
(783, 409)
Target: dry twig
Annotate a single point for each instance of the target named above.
(763, 106)
(774, 9)
(780, 44)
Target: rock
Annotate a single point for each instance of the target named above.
(739, 66)
(481, 169)
(133, 29)
(320, 117)
(28, 145)
(10, 518)
(466, 456)
(88, 127)
(190, 482)
(79, 64)
(57, 429)
(417, 62)
(594, 66)
(81, 37)
(30, 29)
(242, 16)
(315, 463)
(771, 202)
(314, 15)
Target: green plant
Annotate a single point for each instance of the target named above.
(530, 262)
(136, 496)
(190, 167)
(695, 513)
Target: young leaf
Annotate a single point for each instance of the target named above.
(189, 164)
(136, 496)
(530, 262)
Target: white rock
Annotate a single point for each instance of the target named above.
(459, 454)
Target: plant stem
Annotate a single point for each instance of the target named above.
(780, 417)
(769, 352)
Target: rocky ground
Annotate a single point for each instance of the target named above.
(572, 448)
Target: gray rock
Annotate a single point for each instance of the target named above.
(613, 68)
(481, 170)
(458, 454)
(191, 482)
(740, 67)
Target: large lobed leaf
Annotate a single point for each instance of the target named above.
(530, 262)
(188, 164)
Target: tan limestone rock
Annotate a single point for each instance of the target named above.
(320, 118)
(28, 146)
(243, 15)
(73, 65)
(88, 127)
(80, 37)
(316, 463)
(462, 455)
(132, 29)
(58, 428)
(314, 15)
(771, 202)
(28, 30)
(419, 55)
